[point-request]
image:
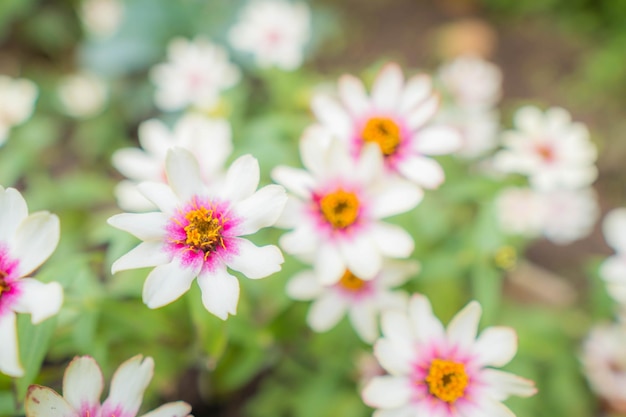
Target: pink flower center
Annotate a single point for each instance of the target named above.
(545, 152)
(203, 230)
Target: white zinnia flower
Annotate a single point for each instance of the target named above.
(194, 75)
(361, 300)
(396, 118)
(208, 138)
(604, 363)
(83, 95)
(472, 82)
(550, 149)
(82, 387)
(197, 233)
(17, 104)
(274, 31)
(101, 18)
(613, 269)
(337, 206)
(443, 372)
(562, 216)
(26, 241)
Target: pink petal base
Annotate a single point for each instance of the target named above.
(9, 272)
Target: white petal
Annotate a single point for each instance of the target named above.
(144, 255)
(528, 119)
(329, 266)
(487, 406)
(82, 385)
(418, 88)
(135, 164)
(175, 409)
(370, 164)
(395, 358)
(45, 402)
(423, 112)
(464, 325)
(397, 329)
(220, 292)
(145, 226)
(353, 95)
(39, 299)
(242, 179)
(406, 411)
(155, 137)
(363, 318)
(392, 240)
(261, 209)
(161, 195)
(302, 240)
(387, 392)
(297, 181)
(361, 256)
(35, 240)
(423, 171)
(326, 312)
(387, 87)
(128, 385)
(304, 286)
(396, 197)
(426, 326)
(396, 272)
(437, 140)
(504, 384)
(13, 212)
(129, 198)
(183, 173)
(332, 115)
(614, 229)
(313, 146)
(166, 283)
(291, 217)
(256, 262)
(496, 346)
(9, 353)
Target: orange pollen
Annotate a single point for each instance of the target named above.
(351, 282)
(340, 208)
(447, 380)
(545, 152)
(385, 132)
(4, 286)
(204, 231)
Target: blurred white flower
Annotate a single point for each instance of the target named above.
(550, 149)
(82, 387)
(478, 129)
(83, 95)
(101, 18)
(604, 363)
(209, 139)
(197, 232)
(472, 82)
(613, 269)
(17, 104)
(443, 372)
(361, 300)
(561, 216)
(26, 241)
(194, 75)
(274, 31)
(396, 117)
(337, 206)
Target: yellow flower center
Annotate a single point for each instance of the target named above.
(204, 231)
(4, 286)
(351, 282)
(447, 380)
(385, 132)
(340, 208)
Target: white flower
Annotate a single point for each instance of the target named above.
(396, 118)
(613, 269)
(443, 372)
(550, 149)
(194, 75)
(17, 104)
(274, 31)
(337, 206)
(562, 216)
(208, 138)
(604, 363)
(26, 241)
(478, 129)
(101, 18)
(197, 233)
(83, 95)
(472, 82)
(82, 387)
(361, 300)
